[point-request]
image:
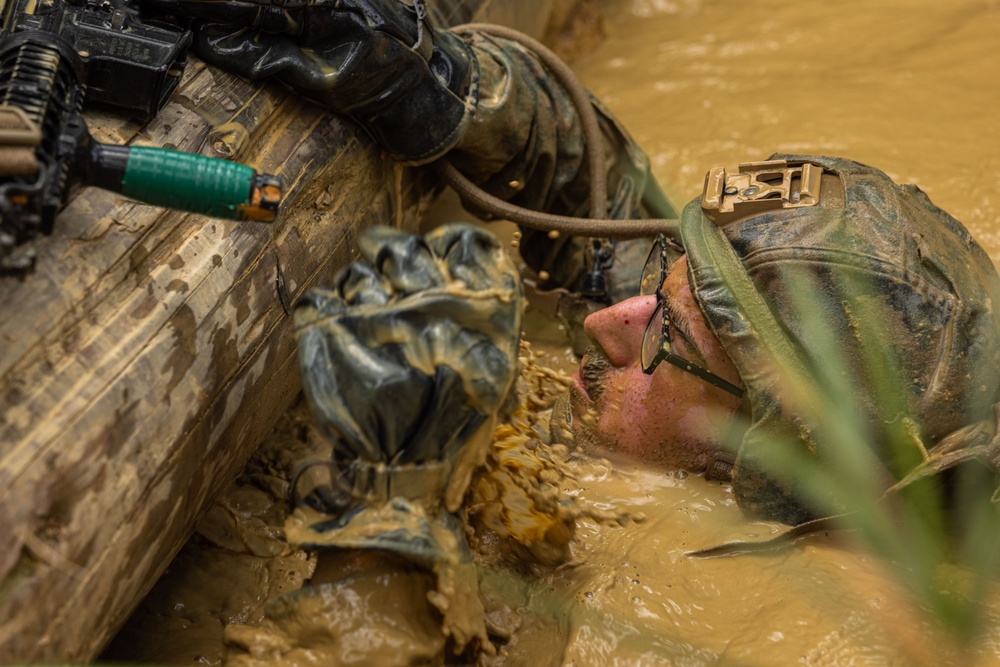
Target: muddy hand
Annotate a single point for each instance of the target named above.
(377, 61)
(408, 359)
(291, 17)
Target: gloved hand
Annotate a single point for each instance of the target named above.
(377, 61)
(407, 361)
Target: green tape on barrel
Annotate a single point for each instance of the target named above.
(187, 182)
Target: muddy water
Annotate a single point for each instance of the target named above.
(905, 85)
(630, 593)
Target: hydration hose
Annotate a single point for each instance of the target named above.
(653, 198)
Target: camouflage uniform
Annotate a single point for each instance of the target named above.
(539, 160)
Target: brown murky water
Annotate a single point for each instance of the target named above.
(905, 85)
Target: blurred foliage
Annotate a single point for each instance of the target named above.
(938, 529)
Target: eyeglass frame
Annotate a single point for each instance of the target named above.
(664, 351)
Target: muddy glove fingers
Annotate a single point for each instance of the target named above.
(314, 22)
(472, 321)
(244, 52)
(414, 352)
(249, 15)
(336, 362)
(404, 259)
(309, 47)
(412, 263)
(254, 15)
(470, 255)
(369, 400)
(360, 284)
(259, 55)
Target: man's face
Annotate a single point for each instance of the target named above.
(671, 418)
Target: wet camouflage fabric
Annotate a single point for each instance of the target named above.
(525, 145)
(899, 287)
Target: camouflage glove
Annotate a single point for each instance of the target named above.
(405, 365)
(377, 61)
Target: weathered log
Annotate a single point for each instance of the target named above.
(147, 356)
(151, 350)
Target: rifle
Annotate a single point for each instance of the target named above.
(53, 55)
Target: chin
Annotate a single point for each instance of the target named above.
(586, 415)
(593, 434)
(618, 441)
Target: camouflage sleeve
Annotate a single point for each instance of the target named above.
(525, 145)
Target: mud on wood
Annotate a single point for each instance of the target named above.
(152, 350)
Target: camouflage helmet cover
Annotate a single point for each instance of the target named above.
(885, 270)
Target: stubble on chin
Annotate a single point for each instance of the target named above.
(587, 413)
(689, 452)
(594, 372)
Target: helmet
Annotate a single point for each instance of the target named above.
(804, 264)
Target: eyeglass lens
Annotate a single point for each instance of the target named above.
(661, 257)
(652, 338)
(649, 281)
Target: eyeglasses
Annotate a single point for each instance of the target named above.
(656, 339)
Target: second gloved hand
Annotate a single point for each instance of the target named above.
(407, 361)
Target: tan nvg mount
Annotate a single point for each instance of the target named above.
(759, 187)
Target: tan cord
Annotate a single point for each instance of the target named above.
(473, 194)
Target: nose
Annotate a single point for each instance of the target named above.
(618, 329)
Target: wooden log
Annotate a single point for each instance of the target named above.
(151, 351)
(147, 357)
